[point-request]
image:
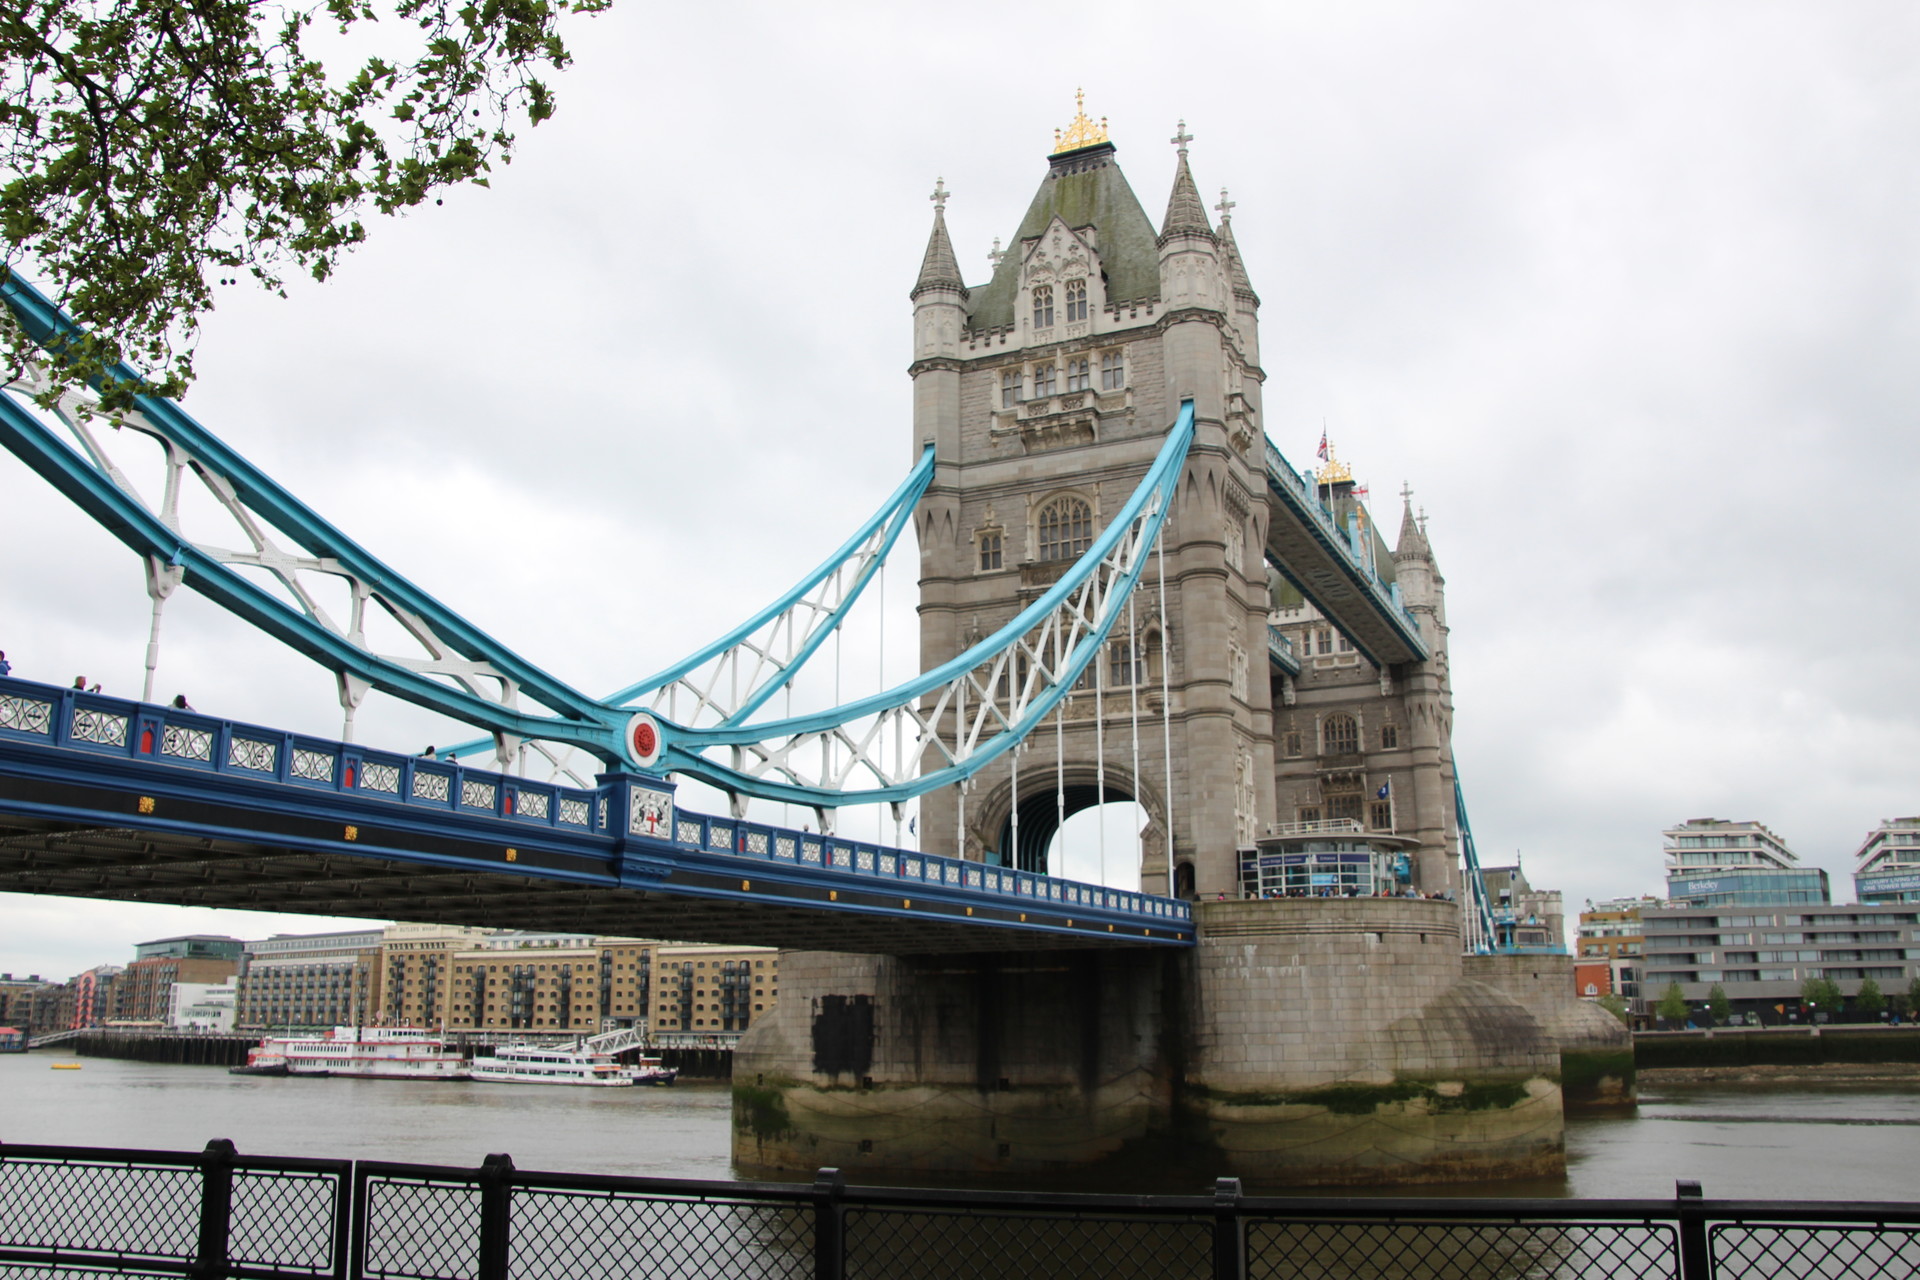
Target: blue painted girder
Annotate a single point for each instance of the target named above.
(100, 797)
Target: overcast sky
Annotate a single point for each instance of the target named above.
(1621, 290)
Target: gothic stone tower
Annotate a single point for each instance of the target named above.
(1301, 1040)
(1363, 742)
(1046, 393)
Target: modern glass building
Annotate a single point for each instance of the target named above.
(1761, 959)
(1887, 865)
(1712, 862)
(1327, 858)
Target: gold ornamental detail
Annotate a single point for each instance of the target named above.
(1082, 132)
(1336, 471)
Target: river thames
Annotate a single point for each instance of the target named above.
(1790, 1141)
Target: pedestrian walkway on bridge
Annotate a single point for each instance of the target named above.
(109, 798)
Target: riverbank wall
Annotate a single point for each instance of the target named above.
(1776, 1046)
(178, 1048)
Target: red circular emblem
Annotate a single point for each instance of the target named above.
(646, 740)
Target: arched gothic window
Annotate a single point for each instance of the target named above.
(1043, 307)
(1076, 300)
(1065, 528)
(1339, 736)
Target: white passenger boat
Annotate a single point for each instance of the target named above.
(392, 1053)
(588, 1062)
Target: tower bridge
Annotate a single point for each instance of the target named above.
(1126, 593)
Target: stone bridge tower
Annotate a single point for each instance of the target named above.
(1046, 393)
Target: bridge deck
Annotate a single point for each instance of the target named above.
(1319, 559)
(105, 798)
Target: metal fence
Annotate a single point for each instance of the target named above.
(74, 1211)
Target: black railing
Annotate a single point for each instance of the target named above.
(217, 1214)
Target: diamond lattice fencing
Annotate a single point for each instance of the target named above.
(218, 1215)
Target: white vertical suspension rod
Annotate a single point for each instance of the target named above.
(1166, 696)
(1133, 707)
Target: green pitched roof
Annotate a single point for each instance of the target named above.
(1082, 188)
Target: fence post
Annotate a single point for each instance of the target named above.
(216, 1210)
(1229, 1241)
(496, 1190)
(829, 1232)
(1694, 1263)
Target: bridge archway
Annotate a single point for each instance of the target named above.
(1047, 798)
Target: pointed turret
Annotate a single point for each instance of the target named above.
(1413, 533)
(1186, 214)
(939, 316)
(940, 269)
(1236, 269)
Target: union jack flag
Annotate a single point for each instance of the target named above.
(1321, 452)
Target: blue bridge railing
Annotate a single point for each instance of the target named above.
(190, 740)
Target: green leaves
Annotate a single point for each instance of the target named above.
(146, 145)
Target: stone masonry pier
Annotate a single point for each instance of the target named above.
(1303, 1042)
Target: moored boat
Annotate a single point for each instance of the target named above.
(591, 1062)
(391, 1053)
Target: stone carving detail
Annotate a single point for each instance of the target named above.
(1245, 826)
(650, 813)
(1236, 540)
(1237, 670)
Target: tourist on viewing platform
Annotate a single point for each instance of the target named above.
(180, 702)
(5, 666)
(80, 683)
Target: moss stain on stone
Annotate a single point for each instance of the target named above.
(762, 1112)
(1586, 1069)
(1365, 1099)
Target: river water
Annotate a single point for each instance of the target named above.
(1825, 1142)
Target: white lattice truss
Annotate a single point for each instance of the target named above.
(435, 672)
(907, 740)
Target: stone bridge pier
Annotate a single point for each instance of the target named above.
(1302, 1042)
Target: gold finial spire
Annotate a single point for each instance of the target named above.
(1082, 132)
(1336, 471)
